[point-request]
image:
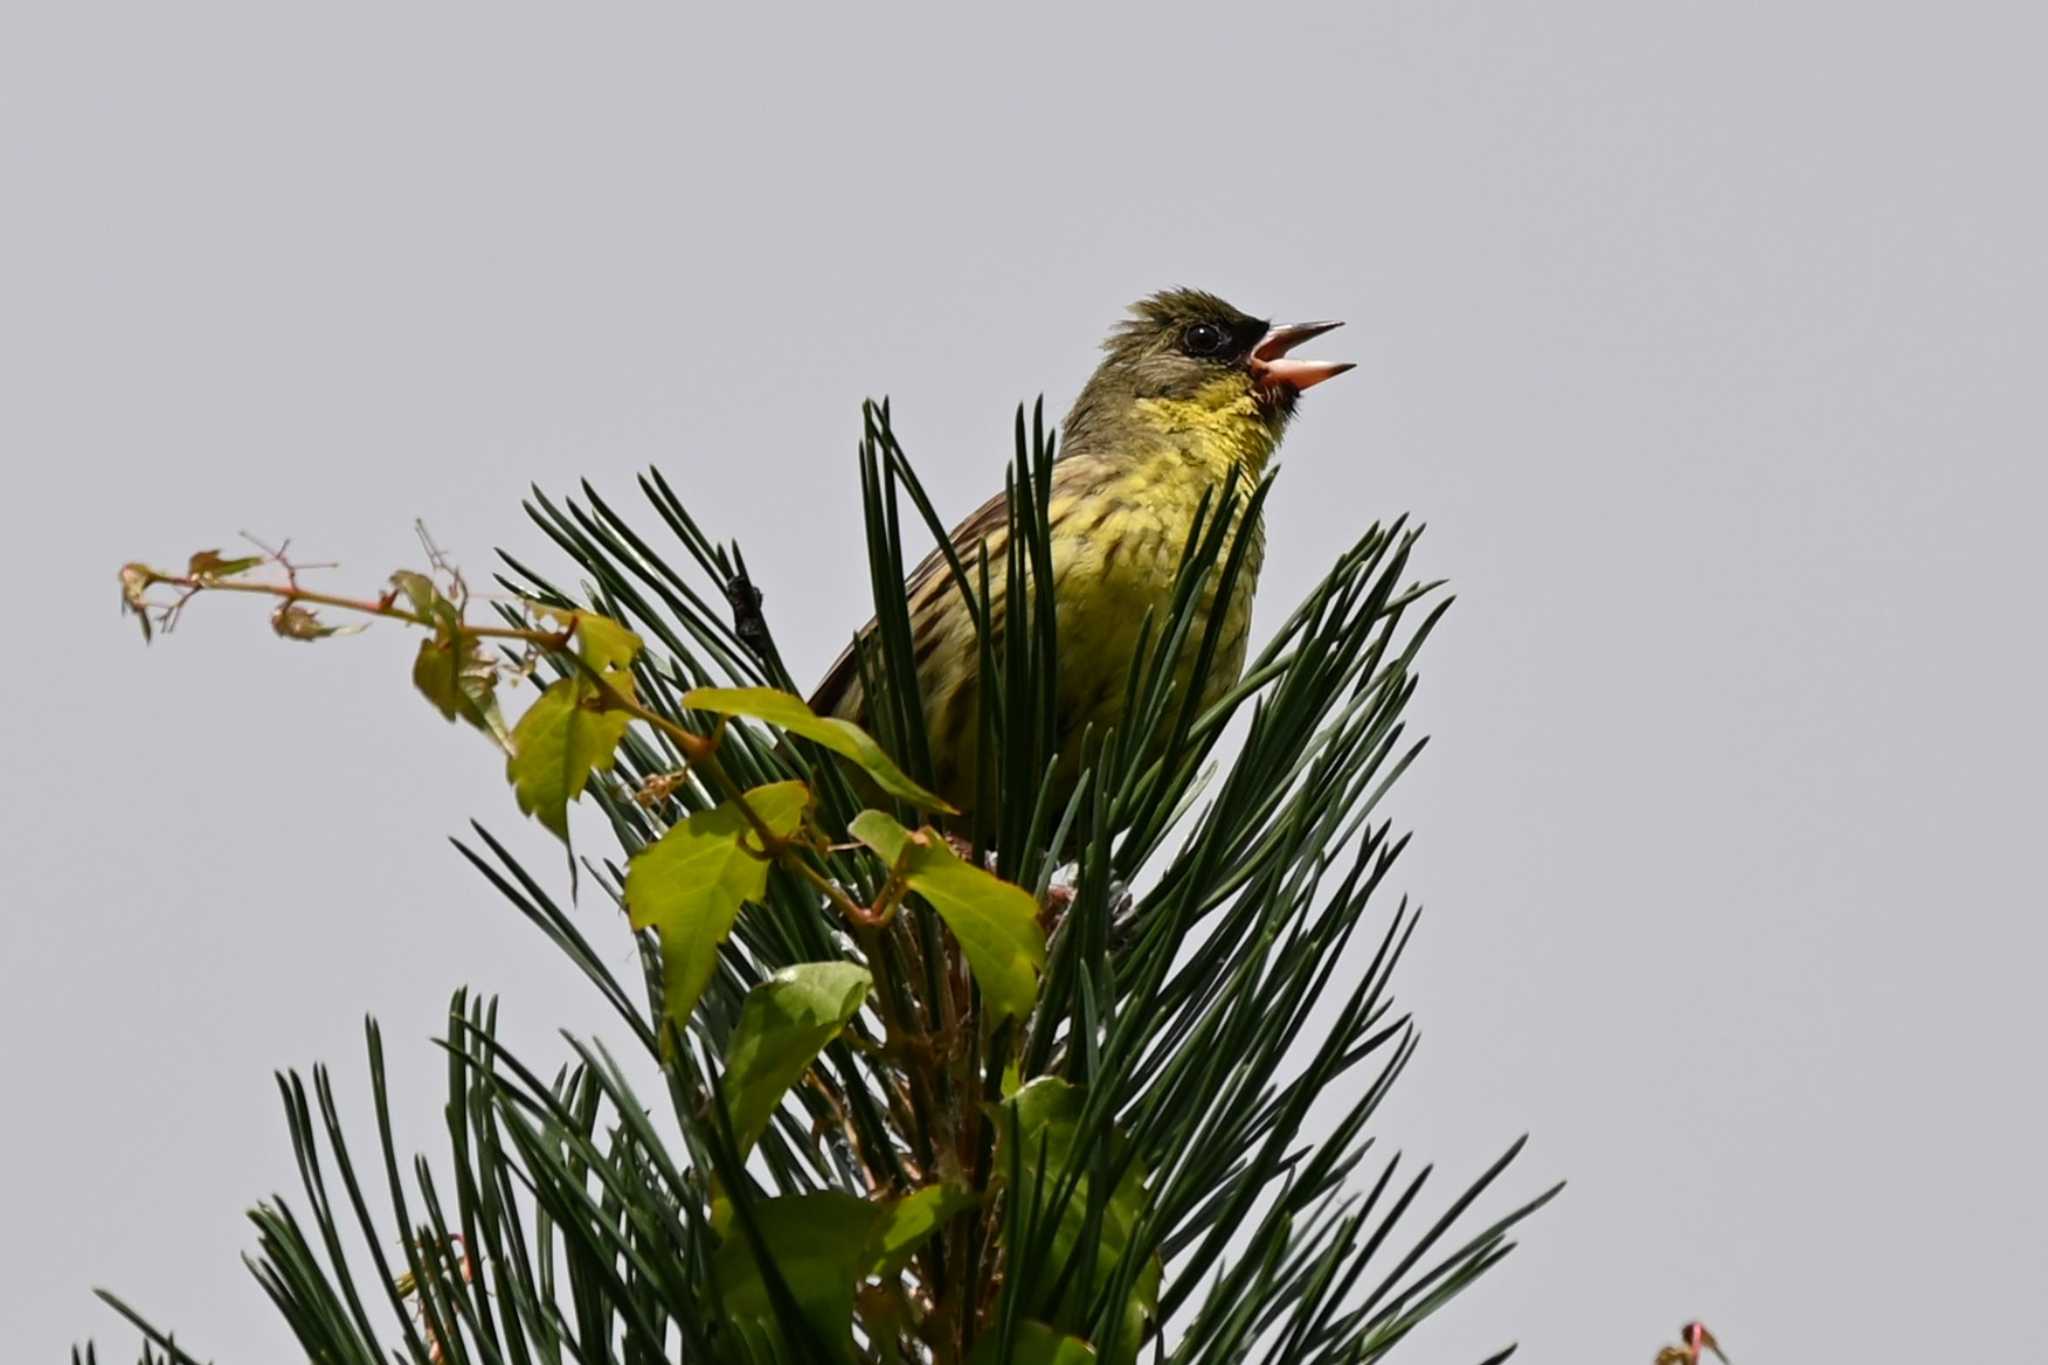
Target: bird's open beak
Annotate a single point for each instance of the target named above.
(1270, 365)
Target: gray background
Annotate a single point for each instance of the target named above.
(1706, 337)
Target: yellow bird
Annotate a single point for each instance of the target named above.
(1190, 390)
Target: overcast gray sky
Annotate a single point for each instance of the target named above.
(1707, 338)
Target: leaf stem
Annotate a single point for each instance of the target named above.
(386, 607)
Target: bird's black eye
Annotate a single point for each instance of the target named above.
(1204, 338)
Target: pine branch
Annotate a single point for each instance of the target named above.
(879, 1143)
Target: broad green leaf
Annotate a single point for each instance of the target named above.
(604, 643)
(995, 921)
(561, 740)
(787, 711)
(818, 1244)
(461, 679)
(418, 589)
(785, 1023)
(453, 669)
(565, 737)
(911, 1220)
(1048, 1112)
(689, 884)
(1035, 1344)
(209, 564)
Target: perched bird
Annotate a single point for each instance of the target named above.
(1190, 390)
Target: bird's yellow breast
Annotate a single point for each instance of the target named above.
(1120, 523)
(1120, 526)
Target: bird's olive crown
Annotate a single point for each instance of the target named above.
(1179, 340)
(1176, 344)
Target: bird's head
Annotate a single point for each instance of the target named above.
(1186, 356)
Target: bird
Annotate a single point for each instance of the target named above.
(1190, 391)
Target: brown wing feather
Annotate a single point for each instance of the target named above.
(839, 693)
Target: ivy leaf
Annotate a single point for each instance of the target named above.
(910, 1222)
(785, 1023)
(818, 1244)
(209, 564)
(689, 885)
(1034, 1344)
(458, 675)
(560, 741)
(454, 669)
(1048, 1113)
(418, 589)
(787, 711)
(995, 921)
(565, 736)
(606, 644)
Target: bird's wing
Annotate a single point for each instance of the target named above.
(839, 693)
(834, 694)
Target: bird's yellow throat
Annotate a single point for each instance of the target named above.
(1220, 428)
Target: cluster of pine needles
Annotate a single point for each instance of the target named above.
(1216, 994)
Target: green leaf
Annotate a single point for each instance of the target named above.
(689, 884)
(1035, 1344)
(560, 741)
(209, 564)
(460, 678)
(418, 589)
(995, 921)
(788, 711)
(786, 1022)
(818, 1244)
(565, 737)
(1048, 1113)
(910, 1222)
(454, 669)
(604, 643)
